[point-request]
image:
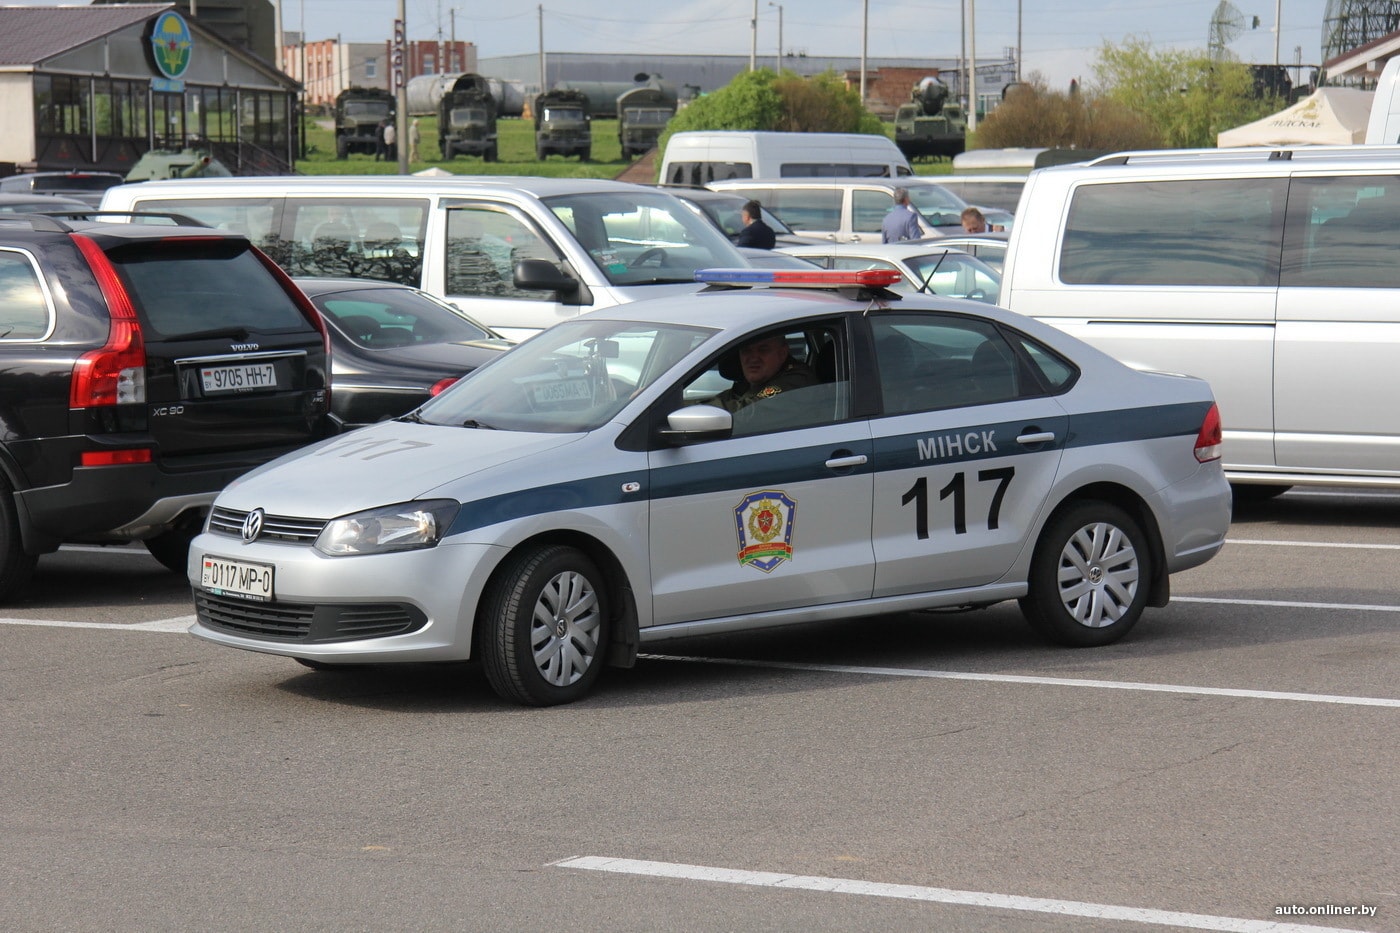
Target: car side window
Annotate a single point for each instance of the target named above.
(817, 209)
(868, 210)
(25, 311)
(780, 380)
(1341, 232)
(484, 242)
(928, 362)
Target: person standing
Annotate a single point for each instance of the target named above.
(756, 233)
(902, 222)
(415, 136)
(379, 148)
(391, 149)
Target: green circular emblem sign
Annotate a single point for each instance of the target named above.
(171, 44)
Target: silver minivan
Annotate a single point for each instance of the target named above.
(517, 254)
(1270, 272)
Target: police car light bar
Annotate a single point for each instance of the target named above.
(816, 278)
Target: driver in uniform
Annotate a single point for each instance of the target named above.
(767, 369)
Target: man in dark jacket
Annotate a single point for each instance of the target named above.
(766, 370)
(756, 233)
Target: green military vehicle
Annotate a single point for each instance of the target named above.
(467, 119)
(563, 124)
(358, 113)
(642, 114)
(169, 163)
(928, 125)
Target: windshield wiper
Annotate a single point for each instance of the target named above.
(413, 417)
(473, 423)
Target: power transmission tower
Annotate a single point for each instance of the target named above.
(1350, 24)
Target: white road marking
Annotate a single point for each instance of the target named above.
(1283, 603)
(769, 879)
(1323, 544)
(1039, 681)
(178, 624)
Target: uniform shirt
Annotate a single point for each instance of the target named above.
(757, 235)
(793, 375)
(900, 224)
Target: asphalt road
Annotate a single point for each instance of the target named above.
(1237, 754)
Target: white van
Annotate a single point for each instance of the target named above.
(700, 157)
(1270, 272)
(850, 210)
(517, 254)
(1384, 126)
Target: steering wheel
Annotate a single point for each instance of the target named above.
(646, 255)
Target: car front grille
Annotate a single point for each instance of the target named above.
(306, 622)
(287, 528)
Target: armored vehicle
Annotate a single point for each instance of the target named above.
(169, 163)
(467, 119)
(358, 113)
(563, 124)
(642, 114)
(928, 125)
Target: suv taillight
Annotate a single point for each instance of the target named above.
(115, 374)
(1210, 436)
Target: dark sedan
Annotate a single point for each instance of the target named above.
(37, 203)
(393, 346)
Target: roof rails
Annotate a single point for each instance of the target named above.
(1355, 152)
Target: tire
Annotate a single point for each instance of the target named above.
(547, 604)
(342, 149)
(585, 154)
(16, 567)
(172, 548)
(491, 155)
(447, 154)
(1089, 577)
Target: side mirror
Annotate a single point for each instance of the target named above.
(697, 423)
(542, 275)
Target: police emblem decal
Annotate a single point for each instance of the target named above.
(764, 523)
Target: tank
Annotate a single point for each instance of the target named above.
(467, 119)
(927, 125)
(184, 163)
(563, 124)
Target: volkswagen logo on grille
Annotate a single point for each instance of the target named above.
(252, 526)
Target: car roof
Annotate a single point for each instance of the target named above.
(904, 181)
(59, 202)
(319, 285)
(395, 184)
(888, 250)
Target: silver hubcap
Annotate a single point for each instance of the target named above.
(1098, 575)
(564, 630)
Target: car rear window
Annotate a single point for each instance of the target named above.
(25, 312)
(185, 287)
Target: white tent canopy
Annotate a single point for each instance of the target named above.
(1329, 115)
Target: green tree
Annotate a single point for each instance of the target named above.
(763, 100)
(1188, 97)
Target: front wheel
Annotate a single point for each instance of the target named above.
(1089, 576)
(544, 627)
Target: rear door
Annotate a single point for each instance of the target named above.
(233, 363)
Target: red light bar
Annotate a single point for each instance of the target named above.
(818, 278)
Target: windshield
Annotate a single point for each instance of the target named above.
(366, 108)
(573, 377)
(644, 238)
(938, 205)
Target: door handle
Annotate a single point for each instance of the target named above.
(1038, 437)
(846, 462)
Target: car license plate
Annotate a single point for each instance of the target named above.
(237, 578)
(567, 390)
(245, 378)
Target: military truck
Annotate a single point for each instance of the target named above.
(928, 125)
(467, 119)
(563, 124)
(358, 113)
(169, 163)
(642, 114)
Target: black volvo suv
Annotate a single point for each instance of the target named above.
(143, 366)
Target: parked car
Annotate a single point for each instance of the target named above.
(924, 266)
(142, 368)
(603, 487)
(988, 247)
(722, 210)
(86, 187)
(393, 347)
(987, 191)
(850, 210)
(774, 259)
(38, 203)
(517, 254)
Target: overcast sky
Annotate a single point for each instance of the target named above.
(1059, 39)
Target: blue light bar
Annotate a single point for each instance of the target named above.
(816, 278)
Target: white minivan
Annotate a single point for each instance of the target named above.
(701, 156)
(1270, 272)
(517, 254)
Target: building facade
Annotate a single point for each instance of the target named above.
(328, 66)
(96, 87)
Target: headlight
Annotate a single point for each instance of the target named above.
(402, 527)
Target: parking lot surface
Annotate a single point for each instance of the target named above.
(1230, 765)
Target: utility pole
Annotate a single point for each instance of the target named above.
(400, 73)
(778, 66)
(543, 86)
(864, 45)
(753, 38)
(972, 65)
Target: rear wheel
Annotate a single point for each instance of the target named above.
(585, 154)
(491, 155)
(544, 626)
(1089, 576)
(172, 548)
(16, 566)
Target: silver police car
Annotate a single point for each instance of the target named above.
(786, 446)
